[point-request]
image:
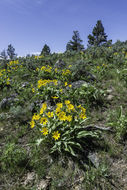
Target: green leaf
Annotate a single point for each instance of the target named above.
(71, 151)
(75, 144)
(83, 121)
(38, 142)
(82, 134)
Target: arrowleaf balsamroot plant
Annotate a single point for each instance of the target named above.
(62, 127)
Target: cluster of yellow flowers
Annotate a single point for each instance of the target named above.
(16, 62)
(46, 69)
(14, 65)
(2, 72)
(43, 119)
(63, 112)
(83, 112)
(66, 72)
(4, 76)
(45, 82)
(69, 85)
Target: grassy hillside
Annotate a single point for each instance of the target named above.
(63, 121)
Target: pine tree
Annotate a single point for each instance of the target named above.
(11, 52)
(76, 43)
(3, 54)
(45, 50)
(99, 36)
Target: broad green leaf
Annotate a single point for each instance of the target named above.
(71, 151)
(86, 134)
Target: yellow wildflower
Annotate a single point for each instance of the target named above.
(43, 120)
(83, 109)
(36, 57)
(82, 116)
(44, 106)
(70, 107)
(36, 117)
(32, 124)
(43, 68)
(33, 90)
(56, 135)
(42, 83)
(79, 106)
(66, 72)
(60, 105)
(65, 83)
(62, 116)
(67, 102)
(69, 118)
(8, 82)
(58, 110)
(49, 114)
(61, 90)
(37, 69)
(116, 53)
(44, 131)
(54, 97)
(55, 82)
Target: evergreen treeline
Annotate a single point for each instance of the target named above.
(97, 38)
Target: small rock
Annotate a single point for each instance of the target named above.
(94, 159)
(110, 97)
(30, 178)
(42, 185)
(109, 91)
(6, 102)
(77, 84)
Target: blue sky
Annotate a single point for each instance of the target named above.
(29, 24)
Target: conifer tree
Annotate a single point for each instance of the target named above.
(76, 43)
(98, 36)
(11, 52)
(3, 54)
(45, 50)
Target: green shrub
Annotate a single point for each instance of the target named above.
(119, 122)
(13, 158)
